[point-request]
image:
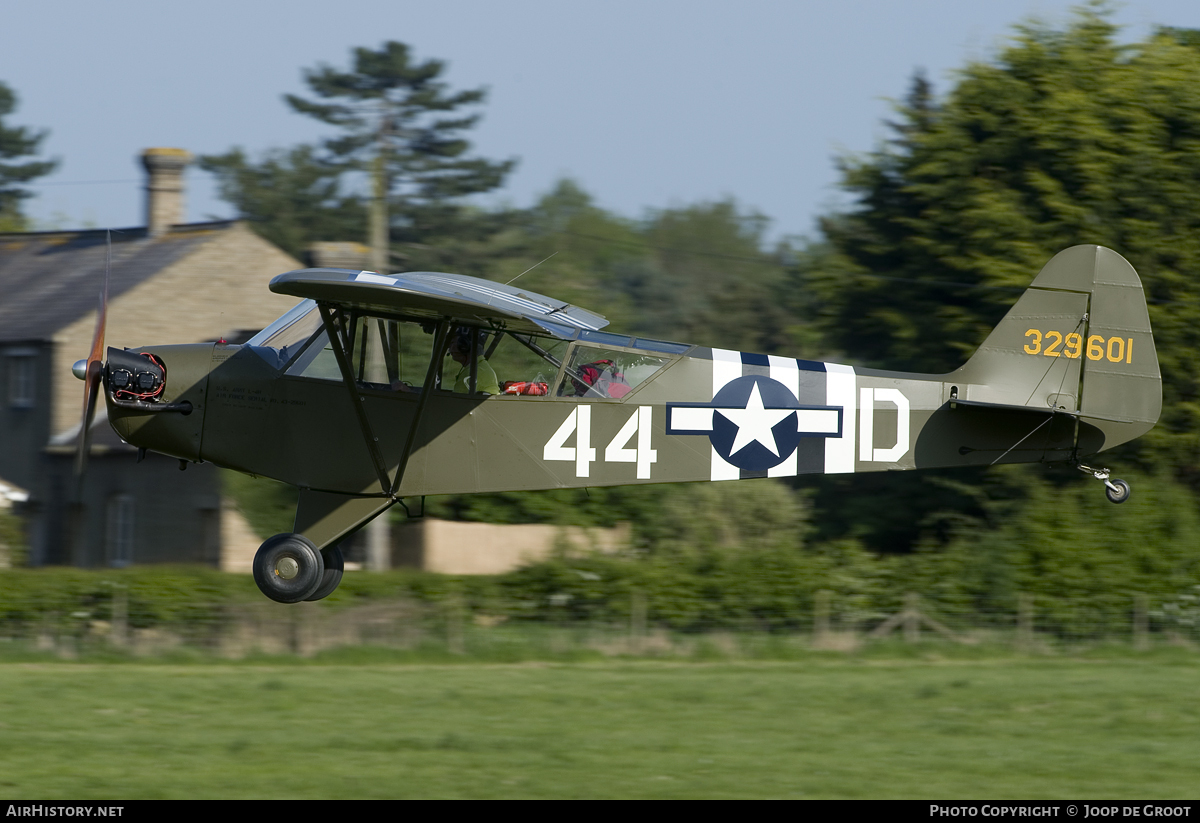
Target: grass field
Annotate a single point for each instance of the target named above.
(1003, 726)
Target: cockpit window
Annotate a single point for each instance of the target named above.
(487, 361)
(390, 353)
(600, 372)
(526, 365)
(394, 353)
(385, 353)
(279, 342)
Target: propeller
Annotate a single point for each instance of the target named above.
(92, 370)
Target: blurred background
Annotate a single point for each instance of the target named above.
(863, 182)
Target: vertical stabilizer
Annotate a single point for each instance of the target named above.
(1078, 340)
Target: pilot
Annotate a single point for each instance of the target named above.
(485, 377)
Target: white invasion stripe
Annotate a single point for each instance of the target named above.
(839, 391)
(566, 319)
(691, 419)
(462, 289)
(476, 287)
(370, 277)
(722, 470)
(727, 367)
(817, 421)
(787, 372)
(540, 308)
(523, 304)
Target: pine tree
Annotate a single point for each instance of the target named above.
(400, 123)
(17, 142)
(291, 196)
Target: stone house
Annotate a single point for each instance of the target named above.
(171, 282)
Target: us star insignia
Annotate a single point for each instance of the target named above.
(754, 422)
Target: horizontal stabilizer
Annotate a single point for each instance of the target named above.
(1047, 410)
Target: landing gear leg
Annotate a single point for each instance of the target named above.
(288, 568)
(1117, 491)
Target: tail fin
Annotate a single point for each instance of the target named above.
(1078, 340)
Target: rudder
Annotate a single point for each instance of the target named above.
(1078, 340)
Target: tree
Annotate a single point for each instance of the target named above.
(399, 130)
(1066, 137)
(17, 142)
(291, 197)
(697, 273)
(399, 125)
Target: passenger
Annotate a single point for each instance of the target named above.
(485, 377)
(601, 378)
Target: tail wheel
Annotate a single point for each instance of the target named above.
(1117, 490)
(288, 568)
(334, 566)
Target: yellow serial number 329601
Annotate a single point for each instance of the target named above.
(1114, 349)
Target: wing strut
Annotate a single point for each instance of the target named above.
(369, 438)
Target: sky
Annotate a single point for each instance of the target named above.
(647, 105)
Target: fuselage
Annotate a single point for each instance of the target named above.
(707, 414)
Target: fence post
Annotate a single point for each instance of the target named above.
(119, 630)
(1025, 621)
(912, 617)
(455, 607)
(821, 617)
(1141, 628)
(637, 620)
(293, 629)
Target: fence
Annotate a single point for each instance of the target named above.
(448, 617)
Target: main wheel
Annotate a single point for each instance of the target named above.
(288, 568)
(334, 566)
(1120, 494)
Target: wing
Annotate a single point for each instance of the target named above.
(436, 295)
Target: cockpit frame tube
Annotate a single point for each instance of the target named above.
(347, 370)
(435, 364)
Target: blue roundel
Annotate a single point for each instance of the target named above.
(754, 456)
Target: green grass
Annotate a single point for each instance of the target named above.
(1002, 726)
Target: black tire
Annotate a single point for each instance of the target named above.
(288, 568)
(334, 566)
(1120, 494)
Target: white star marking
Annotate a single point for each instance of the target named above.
(755, 423)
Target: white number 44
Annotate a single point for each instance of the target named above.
(579, 423)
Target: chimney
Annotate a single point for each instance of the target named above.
(164, 188)
(339, 256)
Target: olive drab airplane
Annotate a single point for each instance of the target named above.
(377, 388)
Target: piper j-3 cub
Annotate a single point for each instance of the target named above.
(378, 388)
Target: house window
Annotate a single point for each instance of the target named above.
(118, 535)
(21, 363)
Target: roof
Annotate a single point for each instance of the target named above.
(51, 279)
(437, 294)
(11, 493)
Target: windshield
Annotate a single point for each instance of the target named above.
(279, 342)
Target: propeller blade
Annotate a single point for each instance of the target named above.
(90, 393)
(94, 371)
